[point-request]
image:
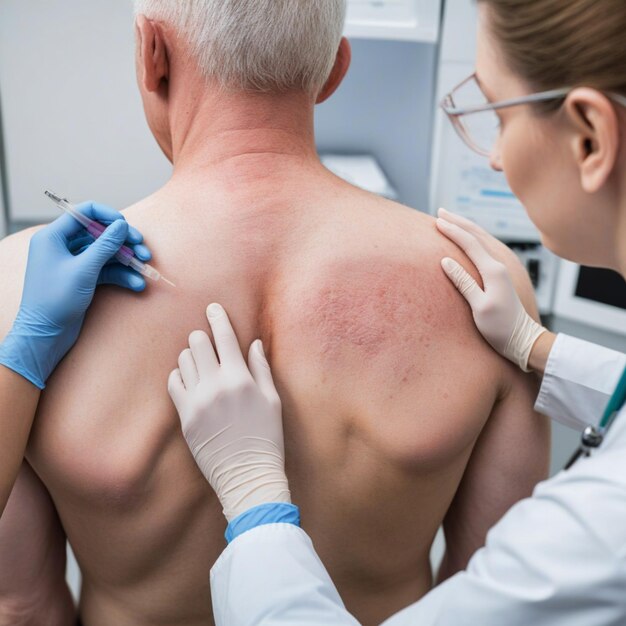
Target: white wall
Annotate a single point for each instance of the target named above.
(3, 220)
(73, 119)
(3, 224)
(385, 108)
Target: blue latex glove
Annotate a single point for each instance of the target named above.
(64, 267)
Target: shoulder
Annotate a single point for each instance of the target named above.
(395, 343)
(381, 291)
(15, 247)
(389, 277)
(13, 259)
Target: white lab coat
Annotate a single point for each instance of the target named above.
(557, 559)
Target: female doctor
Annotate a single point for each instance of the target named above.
(551, 83)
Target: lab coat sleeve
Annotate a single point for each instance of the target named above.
(578, 382)
(556, 559)
(271, 575)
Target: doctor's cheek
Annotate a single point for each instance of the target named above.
(495, 158)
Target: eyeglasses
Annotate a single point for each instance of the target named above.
(474, 117)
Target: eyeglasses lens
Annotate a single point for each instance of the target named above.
(480, 130)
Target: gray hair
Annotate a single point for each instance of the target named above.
(259, 45)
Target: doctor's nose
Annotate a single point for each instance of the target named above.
(495, 160)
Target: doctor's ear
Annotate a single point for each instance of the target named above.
(152, 53)
(595, 136)
(339, 71)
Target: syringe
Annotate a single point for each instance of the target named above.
(125, 255)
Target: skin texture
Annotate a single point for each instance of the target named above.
(18, 401)
(397, 416)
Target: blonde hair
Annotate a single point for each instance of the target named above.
(258, 45)
(563, 43)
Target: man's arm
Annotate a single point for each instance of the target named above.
(33, 590)
(510, 457)
(18, 403)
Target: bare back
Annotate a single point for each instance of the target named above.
(386, 388)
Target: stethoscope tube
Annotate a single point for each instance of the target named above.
(593, 436)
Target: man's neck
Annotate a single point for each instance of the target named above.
(241, 135)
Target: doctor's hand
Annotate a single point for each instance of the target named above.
(64, 267)
(498, 311)
(231, 417)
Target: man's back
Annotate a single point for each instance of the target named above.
(386, 388)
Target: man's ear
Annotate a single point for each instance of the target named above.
(340, 69)
(595, 138)
(154, 63)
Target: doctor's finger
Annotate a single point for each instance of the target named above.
(104, 249)
(463, 222)
(176, 389)
(226, 342)
(80, 242)
(142, 252)
(121, 276)
(66, 228)
(203, 354)
(483, 261)
(464, 282)
(107, 215)
(261, 371)
(99, 212)
(188, 369)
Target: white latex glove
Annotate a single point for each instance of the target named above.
(498, 312)
(231, 417)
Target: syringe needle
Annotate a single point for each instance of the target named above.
(53, 197)
(125, 255)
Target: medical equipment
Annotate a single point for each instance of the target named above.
(591, 296)
(593, 436)
(125, 256)
(596, 297)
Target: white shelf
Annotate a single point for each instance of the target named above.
(395, 20)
